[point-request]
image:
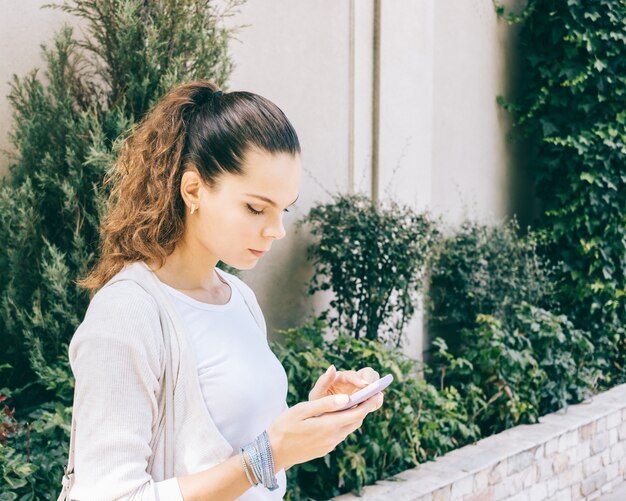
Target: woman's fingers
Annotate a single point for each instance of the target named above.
(368, 374)
(356, 414)
(313, 428)
(360, 378)
(376, 403)
(323, 384)
(352, 378)
(320, 406)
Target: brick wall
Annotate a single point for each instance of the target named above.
(575, 453)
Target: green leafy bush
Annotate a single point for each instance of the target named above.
(570, 111)
(417, 422)
(517, 368)
(33, 447)
(15, 468)
(31, 461)
(372, 256)
(484, 270)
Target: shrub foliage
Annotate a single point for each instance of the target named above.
(372, 256)
(513, 370)
(416, 423)
(484, 269)
(571, 112)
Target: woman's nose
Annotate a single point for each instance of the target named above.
(276, 231)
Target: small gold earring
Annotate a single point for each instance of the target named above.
(193, 208)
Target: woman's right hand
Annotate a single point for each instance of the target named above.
(311, 429)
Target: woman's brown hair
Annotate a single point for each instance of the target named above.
(195, 124)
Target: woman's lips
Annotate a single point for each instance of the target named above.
(257, 253)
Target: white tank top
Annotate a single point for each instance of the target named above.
(243, 383)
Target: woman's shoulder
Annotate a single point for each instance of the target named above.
(120, 337)
(119, 309)
(124, 294)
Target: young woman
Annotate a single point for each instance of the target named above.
(178, 395)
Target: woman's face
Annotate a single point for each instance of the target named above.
(232, 220)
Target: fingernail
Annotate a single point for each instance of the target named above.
(329, 370)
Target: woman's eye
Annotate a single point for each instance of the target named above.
(258, 212)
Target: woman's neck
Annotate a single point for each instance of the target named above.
(187, 270)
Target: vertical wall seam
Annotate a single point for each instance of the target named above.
(376, 100)
(352, 97)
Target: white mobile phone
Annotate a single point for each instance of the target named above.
(365, 393)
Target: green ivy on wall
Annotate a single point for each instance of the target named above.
(572, 111)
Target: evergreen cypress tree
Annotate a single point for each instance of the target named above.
(67, 126)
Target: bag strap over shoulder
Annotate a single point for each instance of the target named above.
(68, 471)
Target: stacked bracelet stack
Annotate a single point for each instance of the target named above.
(259, 454)
(267, 461)
(245, 467)
(255, 460)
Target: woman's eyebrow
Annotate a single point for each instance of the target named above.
(271, 202)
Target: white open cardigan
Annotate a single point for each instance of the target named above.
(118, 359)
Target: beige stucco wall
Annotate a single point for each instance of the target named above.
(472, 163)
(441, 135)
(297, 54)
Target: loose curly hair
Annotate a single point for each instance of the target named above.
(195, 124)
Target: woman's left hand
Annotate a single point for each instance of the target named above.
(347, 382)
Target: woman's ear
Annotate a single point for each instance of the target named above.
(190, 185)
